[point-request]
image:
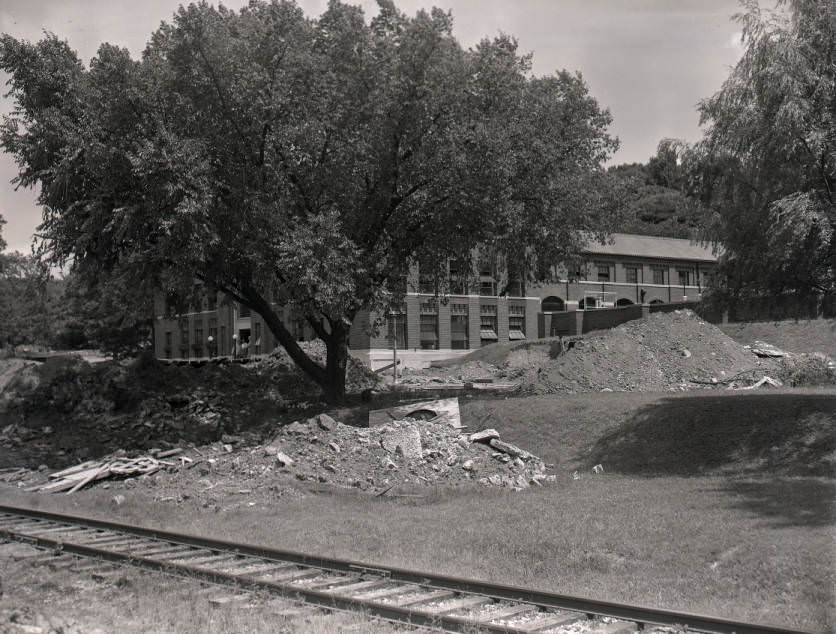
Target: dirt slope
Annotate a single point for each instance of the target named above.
(666, 351)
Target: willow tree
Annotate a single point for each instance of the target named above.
(767, 162)
(300, 162)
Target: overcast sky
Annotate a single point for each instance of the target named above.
(648, 61)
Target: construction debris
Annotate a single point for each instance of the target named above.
(75, 478)
(763, 349)
(402, 453)
(765, 381)
(444, 411)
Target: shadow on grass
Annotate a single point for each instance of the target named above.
(786, 502)
(744, 434)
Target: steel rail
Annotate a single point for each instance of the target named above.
(585, 606)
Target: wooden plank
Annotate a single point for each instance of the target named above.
(103, 472)
(332, 582)
(616, 627)
(425, 597)
(506, 612)
(79, 467)
(269, 571)
(548, 622)
(388, 592)
(362, 585)
(301, 574)
(460, 604)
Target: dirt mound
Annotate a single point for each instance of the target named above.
(66, 411)
(403, 452)
(666, 351)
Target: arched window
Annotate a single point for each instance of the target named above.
(656, 301)
(553, 304)
(624, 302)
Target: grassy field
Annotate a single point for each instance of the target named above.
(811, 335)
(708, 503)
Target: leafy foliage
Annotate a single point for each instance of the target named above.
(656, 194)
(766, 164)
(28, 300)
(303, 162)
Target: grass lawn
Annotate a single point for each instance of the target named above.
(804, 335)
(708, 503)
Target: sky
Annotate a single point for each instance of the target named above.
(649, 61)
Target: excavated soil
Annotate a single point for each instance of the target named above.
(665, 352)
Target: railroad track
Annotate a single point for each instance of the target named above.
(405, 596)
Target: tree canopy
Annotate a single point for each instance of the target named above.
(656, 194)
(766, 164)
(303, 162)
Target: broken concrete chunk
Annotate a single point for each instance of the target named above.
(283, 459)
(296, 427)
(468, 465)
(334, 446)
(511, 450)
(484, 436)
(407, 440)
(326, 422)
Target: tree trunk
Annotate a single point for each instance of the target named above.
(331, 378)
(337, 361)
(305, 363)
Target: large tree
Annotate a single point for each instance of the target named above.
(766, 164)
(302, 162)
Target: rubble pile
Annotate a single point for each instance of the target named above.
(664, 352)
(404, 452)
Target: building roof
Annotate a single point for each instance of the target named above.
(653, 247)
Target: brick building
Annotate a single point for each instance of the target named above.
(632, 270)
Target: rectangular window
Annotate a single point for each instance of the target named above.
(243, 311)
(516, 321)
(429, 331)
(603, 272)
(631, 275)
(487, 288)
(658, 276)
(684, 278)
(222, 342)
(459, 327)
(198, 339)
(515, 288)
(396, 324)
(457, 278)
(487, 329)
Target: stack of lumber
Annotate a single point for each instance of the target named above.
(74, 478)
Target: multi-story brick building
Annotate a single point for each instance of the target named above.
(632, 269)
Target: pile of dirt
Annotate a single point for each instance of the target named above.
(65, 410)
(405, 452)
(257, 465)
(666, 351)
